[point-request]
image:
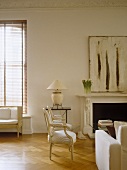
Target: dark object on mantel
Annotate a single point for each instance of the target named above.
(111, 131)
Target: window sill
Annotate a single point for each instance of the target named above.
(26, 116)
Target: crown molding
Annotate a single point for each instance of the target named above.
(14, 4)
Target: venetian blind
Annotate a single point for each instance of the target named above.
(13, 66)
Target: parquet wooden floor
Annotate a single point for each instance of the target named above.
(31, 152)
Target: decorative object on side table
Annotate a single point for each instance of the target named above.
(87, 85)
(57, 96)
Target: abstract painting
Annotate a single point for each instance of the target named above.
(108, 63)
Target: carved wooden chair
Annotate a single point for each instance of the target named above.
(62, 136)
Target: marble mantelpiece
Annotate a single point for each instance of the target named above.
(86, 108)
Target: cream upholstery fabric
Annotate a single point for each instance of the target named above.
(8, 121)
(111, 154)
(117, 124)
(69, 126)
(61, 136)
(14, 114)
(122, 139)
(107, 151)
(5, 113)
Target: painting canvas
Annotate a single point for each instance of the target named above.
(108, 63)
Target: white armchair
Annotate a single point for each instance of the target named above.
(62, 136)
(111, 154)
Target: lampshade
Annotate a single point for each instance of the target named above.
(56, 85)
(57, 96)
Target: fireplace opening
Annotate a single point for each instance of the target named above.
(113, 111)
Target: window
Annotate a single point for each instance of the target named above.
(13, 64)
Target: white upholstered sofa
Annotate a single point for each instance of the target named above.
(111, 154)
(11, 117)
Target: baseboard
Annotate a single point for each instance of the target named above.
(27, 132)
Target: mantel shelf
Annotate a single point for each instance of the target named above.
(107, 94)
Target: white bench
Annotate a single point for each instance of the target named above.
(11, 117)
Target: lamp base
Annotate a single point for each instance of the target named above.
(57, 98)
(57, 106)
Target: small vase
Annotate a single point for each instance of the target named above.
(87, 90)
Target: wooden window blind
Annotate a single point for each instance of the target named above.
(13, 64)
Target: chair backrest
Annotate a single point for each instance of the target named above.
(48, 121)
(50, 112)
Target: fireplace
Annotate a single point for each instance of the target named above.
(113, 111)
(97, 106)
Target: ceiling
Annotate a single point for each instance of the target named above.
(8, 4)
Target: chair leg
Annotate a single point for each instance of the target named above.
(18, 132)
(72, 152)
(69, 148)
(50, 150)
(21, 130)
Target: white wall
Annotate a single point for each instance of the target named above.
(57, 48)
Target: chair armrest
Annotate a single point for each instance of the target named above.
(59, 119)
(55, 117)
(108, 151)
(59, 125)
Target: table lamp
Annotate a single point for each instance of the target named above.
(57, 96)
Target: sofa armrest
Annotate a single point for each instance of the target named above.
(122, 138)
(117, 124)
(108, 151)
(19, 111)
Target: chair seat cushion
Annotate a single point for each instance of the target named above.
(60, 137)
(69, 126)
(8, 121)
